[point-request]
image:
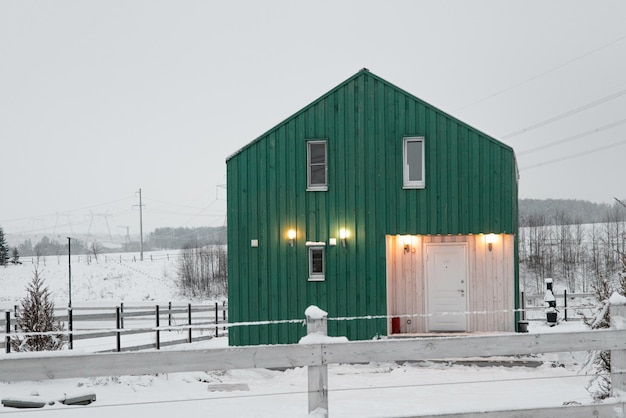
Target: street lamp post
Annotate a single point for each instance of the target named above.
(69, 305)
(69, 265)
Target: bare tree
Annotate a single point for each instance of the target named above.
(203, 271)
(96, 248)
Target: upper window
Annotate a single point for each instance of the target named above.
(316, 263)
(317, 178)
(413, 156)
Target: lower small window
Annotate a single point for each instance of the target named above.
(316, 263)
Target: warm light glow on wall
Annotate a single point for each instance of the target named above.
(406, 240)
(490, 239)
(291, 234)
(343, 234)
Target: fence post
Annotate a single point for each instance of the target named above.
(565, 304)
(169, 314)
(118, 339)
(618, 357)
(7, 340)
(158, 333)
(224, 312)
(16, 311)
(189, 321)
(70, 321)
(317, 375)
(217, 320)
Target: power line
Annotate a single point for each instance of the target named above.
(569, 157)
(573, 137)
(565, 114)
(66, 211)
(566, 63)
(172, 204)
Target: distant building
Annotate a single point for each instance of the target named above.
(371, 202)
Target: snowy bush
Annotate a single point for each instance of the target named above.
(203, 271)
(600, 361)
(37, 316)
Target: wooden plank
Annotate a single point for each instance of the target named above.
(459, 347)
(30, 366)
(610, 410)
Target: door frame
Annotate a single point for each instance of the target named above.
(465, 247)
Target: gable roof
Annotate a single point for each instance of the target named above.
(363, 73)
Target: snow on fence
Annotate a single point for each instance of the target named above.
(316, 351)
(100, 329)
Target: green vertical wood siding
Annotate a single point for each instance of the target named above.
(471, 187)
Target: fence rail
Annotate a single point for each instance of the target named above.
(323, 350)
(163, 322)
(572, 305)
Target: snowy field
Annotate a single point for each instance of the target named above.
(113, 279)
(372, 390)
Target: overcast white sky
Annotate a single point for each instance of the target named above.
(101, 98)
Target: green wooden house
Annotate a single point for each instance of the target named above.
(378, 208)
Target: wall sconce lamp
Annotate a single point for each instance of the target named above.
(343, 234)
(406, 240)
(291, 234)
(490, 239)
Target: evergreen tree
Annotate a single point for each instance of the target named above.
(37, 316)
(15, 256)
(4, 249)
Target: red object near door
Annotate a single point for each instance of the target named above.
(395, 325)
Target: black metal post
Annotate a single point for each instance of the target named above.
(169, 314)
(189, 321)
(7, 340)
(70, 322)
(117, 326)
(565, 304)
(217, 319)
(158, 335)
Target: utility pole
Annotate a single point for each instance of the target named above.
(140, 227)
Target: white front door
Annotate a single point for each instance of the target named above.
(446, 283)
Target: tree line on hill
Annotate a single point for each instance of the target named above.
(159, 239)
(560, 211)
(178, 238)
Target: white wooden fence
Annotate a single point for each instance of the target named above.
(324, 350)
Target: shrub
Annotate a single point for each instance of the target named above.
(203, 272)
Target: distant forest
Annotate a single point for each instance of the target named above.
(159, 239)
(535, 212)
(177, 238)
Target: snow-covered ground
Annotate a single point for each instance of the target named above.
(113, 279)
(372, 390)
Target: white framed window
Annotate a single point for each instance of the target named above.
(317, 165)
(413, 162)
(317, 261)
